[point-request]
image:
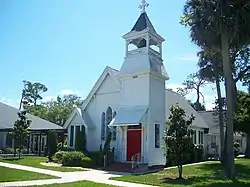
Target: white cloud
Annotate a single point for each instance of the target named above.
(188, 57)
(70, 92)
(61, 93)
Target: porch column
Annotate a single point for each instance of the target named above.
(47, 143)
(28, 144)
(31, 143)
(39, 144)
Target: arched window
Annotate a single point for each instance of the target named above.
(109, 114)
(114, 128)
(103, 126)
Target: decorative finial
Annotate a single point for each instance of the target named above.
(143, 6)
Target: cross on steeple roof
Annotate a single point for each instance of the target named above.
(143, 21)
(143, 6)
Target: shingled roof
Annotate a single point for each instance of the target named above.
(8, 115)
(142, 23)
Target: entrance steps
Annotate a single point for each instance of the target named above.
(127, 167)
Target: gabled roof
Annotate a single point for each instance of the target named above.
(83, 116)
(142, 23)
(107, 71)
(174, 98)
(8, 115)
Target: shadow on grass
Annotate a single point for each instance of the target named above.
(12, 158)
(212, 175)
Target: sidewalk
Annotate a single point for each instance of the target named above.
(97, 176)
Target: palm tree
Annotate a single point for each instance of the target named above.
(211, 70)
(215, 25)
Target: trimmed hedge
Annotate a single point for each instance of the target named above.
(72, 158)
(8, 150)
(77, 158)
(59, 156)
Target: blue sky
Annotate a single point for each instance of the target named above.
(67, 44)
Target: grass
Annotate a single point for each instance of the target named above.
(10, 175)
(78, 184)
(209, 174)
(35, 161)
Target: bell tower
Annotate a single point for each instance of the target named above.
(143, 77)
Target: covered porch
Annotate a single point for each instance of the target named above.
(36, 143)
(130, 123)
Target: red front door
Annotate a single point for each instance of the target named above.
(133, 143)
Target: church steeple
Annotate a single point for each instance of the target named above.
(144, 47)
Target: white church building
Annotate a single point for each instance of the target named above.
(132, 102)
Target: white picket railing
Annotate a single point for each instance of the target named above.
(136, 160)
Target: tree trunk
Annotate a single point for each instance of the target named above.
(221, 121)
(234, 93)
(247, 153)
(229, 100)
(198, 95)
(180, 171)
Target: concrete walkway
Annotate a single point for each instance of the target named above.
(97, 176)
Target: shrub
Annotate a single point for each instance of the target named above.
(87, 162)
(8, 150)
(59, 156)
(200, 152)
(97, 157)
(236, 149)
(72, 158)
(24, 151)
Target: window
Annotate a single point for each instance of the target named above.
(194, 136)
(157, 136)
(108, 119)
(103, 126)
(83, 129)
(71, 136)
(114, 128)
(200, 137)
(8, 140)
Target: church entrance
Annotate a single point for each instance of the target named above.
(133, 141)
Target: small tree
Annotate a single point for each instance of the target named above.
(20, 131)
(178, 135)
(81, 141)
(106, 148)
(52, 144)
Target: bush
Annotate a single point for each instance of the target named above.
(8, 150)
(87, 162)
(24, 151)
(195, 154)
(97, 157)
(72, 158)
(236, 149)
(59, 156)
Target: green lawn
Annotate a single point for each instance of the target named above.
(9, 174)
(210, 174)
(78, 184)
(35, 161)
